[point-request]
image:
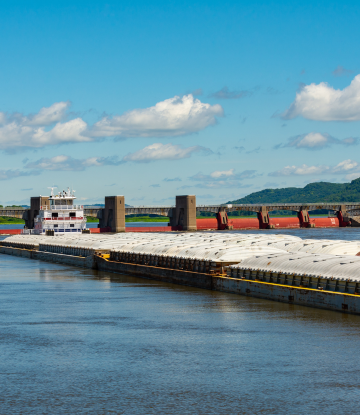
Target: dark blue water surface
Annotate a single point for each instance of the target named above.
(78, 341)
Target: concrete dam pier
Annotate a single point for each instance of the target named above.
(315, 273)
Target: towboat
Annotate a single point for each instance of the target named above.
(60, 216)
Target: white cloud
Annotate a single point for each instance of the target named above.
(67, 163)
(71, 131)
(222, 174)
(18, 131)
(311, 140)
(158, 151)
(46, 116)
(317, 141)
(322, 102)
(300, 170)
(345, 166)
(348, 167)
(153, 152)
(173, 117)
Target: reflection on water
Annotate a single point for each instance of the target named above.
(80, 341)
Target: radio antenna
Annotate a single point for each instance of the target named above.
(52, 190)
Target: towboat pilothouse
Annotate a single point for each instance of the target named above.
(60, 216)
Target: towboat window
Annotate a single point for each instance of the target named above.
(61, 202)
(55, 215)
(55, 226)
(71, 225)
(72, 214)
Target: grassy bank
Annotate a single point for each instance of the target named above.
(92, 220)
(4, 220)
(147, 219)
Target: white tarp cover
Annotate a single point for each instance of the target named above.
(269, 252)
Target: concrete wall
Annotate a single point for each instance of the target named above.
(113, 215)
(184, 213)
(36, 203)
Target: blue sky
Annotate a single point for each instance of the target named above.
(159, 98)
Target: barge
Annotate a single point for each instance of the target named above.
(315, 273)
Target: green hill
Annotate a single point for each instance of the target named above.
(311, 193)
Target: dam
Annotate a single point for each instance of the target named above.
(317, 273)
(183, 216)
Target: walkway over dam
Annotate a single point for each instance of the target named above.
(183, 214)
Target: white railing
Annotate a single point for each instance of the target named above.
(63, 229)
(66, 207)
(67, 226)
(59, 219)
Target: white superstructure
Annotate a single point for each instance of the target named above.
(61, 216)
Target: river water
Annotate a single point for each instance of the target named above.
(78, 341)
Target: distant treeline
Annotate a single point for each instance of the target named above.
(14, 206)
(318, 192)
